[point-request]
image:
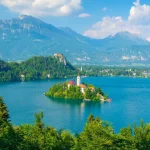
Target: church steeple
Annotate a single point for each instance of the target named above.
(81, 68)
(78, 80)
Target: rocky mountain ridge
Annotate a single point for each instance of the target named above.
(26, 36)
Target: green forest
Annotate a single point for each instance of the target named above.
(96, 135)
(98, 70)
(39, 67)
(61, 90)
(35, 68)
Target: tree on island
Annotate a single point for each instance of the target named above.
(62, 90)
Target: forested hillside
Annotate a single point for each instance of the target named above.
(36, 68)
(96, 135)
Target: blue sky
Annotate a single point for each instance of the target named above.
(94, 15)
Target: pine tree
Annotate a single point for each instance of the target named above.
(4, 115)
(38, 117)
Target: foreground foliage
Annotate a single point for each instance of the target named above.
(36, 68)
(97, 135)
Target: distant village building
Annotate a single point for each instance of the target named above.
(22, 77)
(48, 75)
(134, 74)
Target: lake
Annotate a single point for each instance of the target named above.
(130, 103)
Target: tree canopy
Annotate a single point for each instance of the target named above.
(36, 68)
(61, 90)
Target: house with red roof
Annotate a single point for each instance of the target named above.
(82, 87)
(71, 83)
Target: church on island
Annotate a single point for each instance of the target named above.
(82, 86)
(76, 90)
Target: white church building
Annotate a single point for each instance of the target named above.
(72, 83)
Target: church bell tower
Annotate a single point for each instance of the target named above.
(78, 80)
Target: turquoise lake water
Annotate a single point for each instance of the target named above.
(130, 103)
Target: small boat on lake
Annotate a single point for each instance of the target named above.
(109, 100)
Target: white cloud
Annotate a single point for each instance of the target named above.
(104, 9)
(110, 26)
(139, 14)
(84, 15)
(137, 23)
(43, 7)
(148, 39)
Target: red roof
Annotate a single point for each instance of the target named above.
(82, 86)
(72, 82)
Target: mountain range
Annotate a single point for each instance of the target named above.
(26, 36)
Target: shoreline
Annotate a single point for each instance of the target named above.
(86, 100)
(71, 78)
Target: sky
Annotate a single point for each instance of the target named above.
(93, 18)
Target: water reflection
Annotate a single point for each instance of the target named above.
(80, 103)
(72, 113)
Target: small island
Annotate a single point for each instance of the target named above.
(76, 90)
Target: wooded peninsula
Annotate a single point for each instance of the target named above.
(37, 68)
